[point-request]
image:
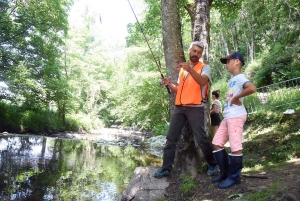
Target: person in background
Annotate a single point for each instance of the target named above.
(215, 111)
(231, 127)
(193, 83)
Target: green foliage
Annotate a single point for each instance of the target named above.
(160, 199)
(283, 95)
(21, 120)
(26, 27)
(84, 122)
(279, 66)
(222, 86)
(46, 121)
(31, 34)
(252, 103)
(187, 184)
(263, 76)
(87, 75)
(9, 117)
(226, 8)
(33, 120)
(267, 127)
(252, 69)
(150, 24)
(72, 74)
(138, 97)
(161, 129)
(72, 124)
(276, 42)
(202, 168)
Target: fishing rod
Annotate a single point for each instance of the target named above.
(157, 63)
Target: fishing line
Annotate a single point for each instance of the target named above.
(157, 63)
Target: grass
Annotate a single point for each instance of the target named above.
(271, 139)
(266, 194)
(267, 129)
(159, 199)
(283, 95)
(187, 184)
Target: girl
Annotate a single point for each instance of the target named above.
(215, 111)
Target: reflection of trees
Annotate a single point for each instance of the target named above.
(15, 153)
(66, 169)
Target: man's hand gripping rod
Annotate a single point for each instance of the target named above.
(158, 65)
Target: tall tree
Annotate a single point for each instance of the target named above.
(172, 41)
(30, 40)
(85, 70)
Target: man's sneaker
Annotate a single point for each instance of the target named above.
(213, 170)
(161, 172)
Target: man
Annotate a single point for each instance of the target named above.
(191, 95)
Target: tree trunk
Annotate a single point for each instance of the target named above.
(201, 33)
(190, 8)
(172, 41)
(236, 46)
(201, 26)
(250, 28)
(224, 42)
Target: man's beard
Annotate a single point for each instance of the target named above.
(194, 59)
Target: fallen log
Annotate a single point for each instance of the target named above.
(254, 176)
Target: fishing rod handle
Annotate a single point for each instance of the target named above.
(168, 88)
(169, 91)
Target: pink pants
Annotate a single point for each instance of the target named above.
(232, 130)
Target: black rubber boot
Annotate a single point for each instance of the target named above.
(235, 168)
(221, 157)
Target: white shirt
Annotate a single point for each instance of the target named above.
(218, 104)
(235, 87)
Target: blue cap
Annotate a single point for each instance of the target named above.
(234, 55)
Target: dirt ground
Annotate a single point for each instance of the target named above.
(288, 178)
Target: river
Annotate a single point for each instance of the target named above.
(46, 168)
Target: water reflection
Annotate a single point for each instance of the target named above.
(41, 168)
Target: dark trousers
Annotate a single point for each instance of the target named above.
(195, 117)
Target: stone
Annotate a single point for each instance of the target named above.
(289, 197)
(143, 186)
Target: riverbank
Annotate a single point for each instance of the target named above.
(115, 136)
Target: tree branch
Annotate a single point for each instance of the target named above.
(291, 7)
(254, 176)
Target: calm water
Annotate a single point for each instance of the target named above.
(40, 168)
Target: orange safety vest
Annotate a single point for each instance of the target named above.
(189, 91)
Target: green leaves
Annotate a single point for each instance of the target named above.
(30, 41)
(228, 9)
